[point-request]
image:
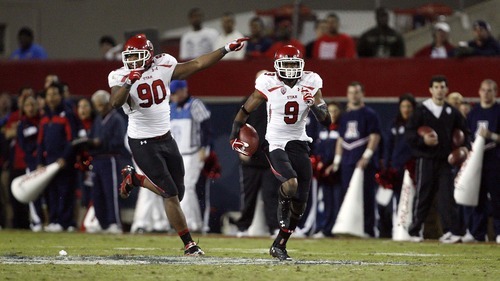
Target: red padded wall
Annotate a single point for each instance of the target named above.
(381, 77)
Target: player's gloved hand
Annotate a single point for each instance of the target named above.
(239, 146)
(133, 76)
(236, 45)
(308, 99)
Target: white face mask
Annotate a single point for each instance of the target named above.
(142, 57)
(289, 72)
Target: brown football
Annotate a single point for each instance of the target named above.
(424, 130)
(249, 135)
(457, 156)
(457, 138)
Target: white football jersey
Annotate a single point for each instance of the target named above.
(148, 107)
(286, 110)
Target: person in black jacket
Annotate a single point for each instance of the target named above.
(381, 41)
(482, 45)
(433, 173)
(397, 158)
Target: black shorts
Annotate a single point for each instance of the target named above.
(160, 160)
(293, 162)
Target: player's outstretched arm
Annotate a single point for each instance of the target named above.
(186, 69)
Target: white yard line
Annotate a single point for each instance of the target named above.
(153, 260)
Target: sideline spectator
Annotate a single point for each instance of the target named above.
(16, 163)
(397, 158)
(107, 148)
(483, 44)
(359, 137)
(27, 135)
(484, 120)
(440, 47)
(433, 172)
(198, 41)
(85, 118)
(57, 130)
(190, 127)
(228, 34)
(28, 50)
(381, 41)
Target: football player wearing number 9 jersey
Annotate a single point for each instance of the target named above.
(141, 88)
(290, 93)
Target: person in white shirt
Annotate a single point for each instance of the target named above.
(228, 34)
(200, 40)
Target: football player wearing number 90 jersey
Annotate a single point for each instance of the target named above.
(290, 93)
(141, 87)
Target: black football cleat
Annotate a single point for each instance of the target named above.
(193, 250)
(127, 183)
(279, 253)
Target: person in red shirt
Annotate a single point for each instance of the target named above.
(283, 37)
(334, 45)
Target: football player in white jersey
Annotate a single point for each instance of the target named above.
(290, 93)
(141, 87)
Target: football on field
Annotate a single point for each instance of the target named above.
(249, 135)
(424, 130)
(457, 138)
(457, 156)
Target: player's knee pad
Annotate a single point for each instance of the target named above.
(289, 188)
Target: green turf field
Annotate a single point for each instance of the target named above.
(35, 256)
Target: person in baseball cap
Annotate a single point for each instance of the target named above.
(483, 44)
(440, 47)
(177, 85)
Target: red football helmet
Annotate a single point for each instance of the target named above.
(288, 62)
(140, 46)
